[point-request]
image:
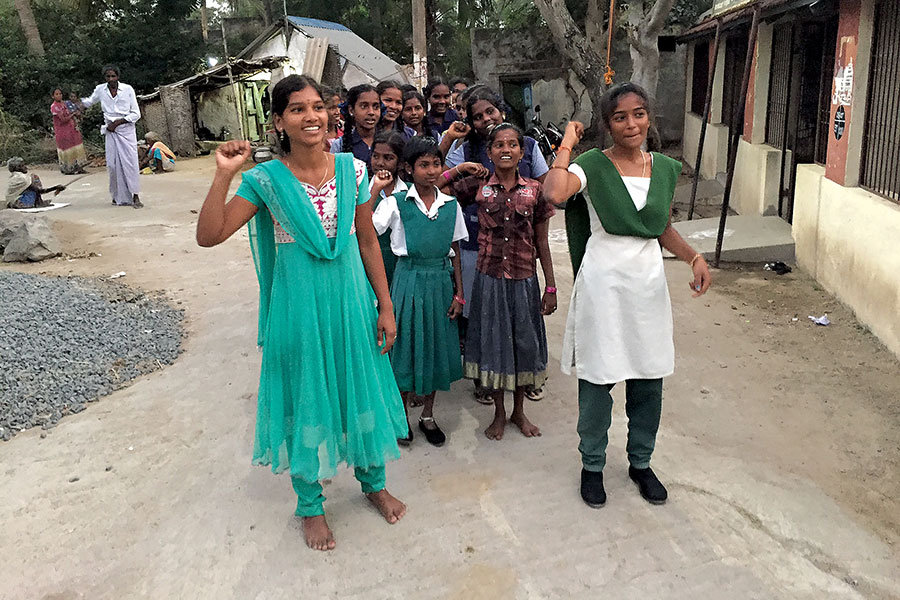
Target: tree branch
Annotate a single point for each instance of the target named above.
(656, 19)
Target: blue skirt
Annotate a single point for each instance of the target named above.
(506, 342)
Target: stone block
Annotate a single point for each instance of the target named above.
(26, 237)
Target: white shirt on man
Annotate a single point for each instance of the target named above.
(123, 105)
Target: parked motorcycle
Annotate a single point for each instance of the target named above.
(548, 137)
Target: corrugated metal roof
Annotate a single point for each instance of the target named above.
(351, 47)
(307, 22)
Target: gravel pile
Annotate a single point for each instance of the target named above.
(65, 342)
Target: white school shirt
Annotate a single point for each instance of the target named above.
(387, 216)
(619, 325)
(123, 105)
(399, 186)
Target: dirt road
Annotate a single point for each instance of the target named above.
(780, 444)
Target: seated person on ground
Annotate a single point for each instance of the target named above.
(159, 158)
(24, 190)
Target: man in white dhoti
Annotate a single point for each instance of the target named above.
(120, 112)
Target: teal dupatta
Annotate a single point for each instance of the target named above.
(288, 203)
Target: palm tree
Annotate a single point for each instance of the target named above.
(29, 26)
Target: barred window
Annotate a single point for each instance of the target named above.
(881, 147)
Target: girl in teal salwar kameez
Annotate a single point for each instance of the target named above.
(326, 394)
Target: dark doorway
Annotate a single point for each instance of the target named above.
(799, 98)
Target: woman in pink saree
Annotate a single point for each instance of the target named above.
(69, 145)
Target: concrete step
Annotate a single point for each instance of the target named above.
(747, 238)
(709, 193)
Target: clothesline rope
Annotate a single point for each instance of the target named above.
(608, 76)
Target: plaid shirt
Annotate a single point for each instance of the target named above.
(506, 244)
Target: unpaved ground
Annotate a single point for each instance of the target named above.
(780, 443)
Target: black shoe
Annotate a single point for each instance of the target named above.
(592, 491)
(406, 441)
(651, 489)
(434, 436)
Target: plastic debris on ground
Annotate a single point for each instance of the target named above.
(778, 267)
(823, 320)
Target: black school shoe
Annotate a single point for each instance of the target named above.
(651, 489)
(592, 491)
(407, 440)
(434, 436)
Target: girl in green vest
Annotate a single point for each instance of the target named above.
(387, 150)
(427, 292)
(619, 326)
(326, 392)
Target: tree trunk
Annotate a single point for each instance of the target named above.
(204, 21)
(29, 26)
(376, 12)
(644, 28)
(268, 17)
(583, 55)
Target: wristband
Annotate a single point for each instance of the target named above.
(460, 299)
(446, 174)
(693, 260)
(561, 147)
(550, 290)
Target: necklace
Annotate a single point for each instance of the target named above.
(619, 169)
(324, 175)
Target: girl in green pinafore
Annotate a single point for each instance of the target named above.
(425, 227)
(387, 152)
(326, 391)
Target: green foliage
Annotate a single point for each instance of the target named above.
(151, 41)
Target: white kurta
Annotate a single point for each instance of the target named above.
(121, 144)
(619, 324)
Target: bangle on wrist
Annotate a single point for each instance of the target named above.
(459, 299)
(561, 147)
(447, 175)
(556, 166)
(550, 289)
(693, 260)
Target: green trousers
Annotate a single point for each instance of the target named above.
(311, 501)
(643, 405)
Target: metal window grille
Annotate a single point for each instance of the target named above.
(881, 149)
(824, 119)
(700, 77)
(779, 81)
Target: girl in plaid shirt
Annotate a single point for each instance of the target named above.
(506, 343)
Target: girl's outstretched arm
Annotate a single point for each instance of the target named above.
(456, 307)
(218, 220)
(541, 236)
(370, 252)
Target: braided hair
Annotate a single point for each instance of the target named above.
(349, 124)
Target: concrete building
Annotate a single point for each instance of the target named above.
(207, 106)
(529, 71)
(820, 141)
(328, 52)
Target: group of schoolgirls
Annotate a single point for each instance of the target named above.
(456, 200)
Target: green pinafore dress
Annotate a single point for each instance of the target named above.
(387, 255)
(426, 354)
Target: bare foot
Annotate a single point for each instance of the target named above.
(527, 428)
(317, 533)
(495, 429)
(390, 508)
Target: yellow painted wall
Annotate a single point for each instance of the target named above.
(847, 238)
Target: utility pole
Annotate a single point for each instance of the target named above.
(420, 45)
(234, 93)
